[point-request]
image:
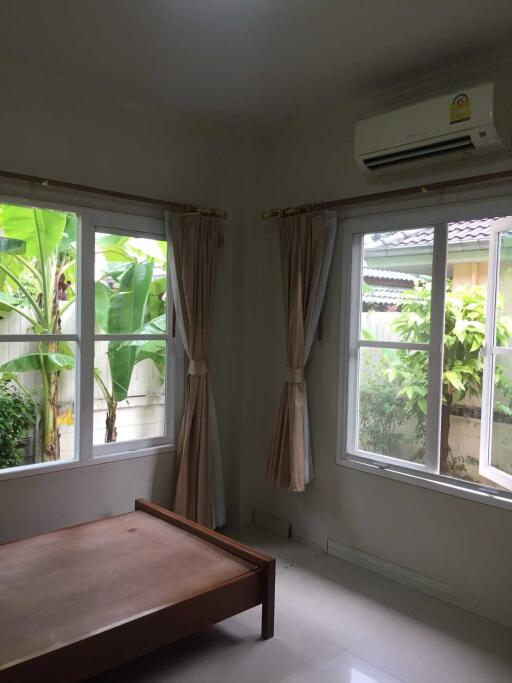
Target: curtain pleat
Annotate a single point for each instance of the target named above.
(306, 246)
(193, 241)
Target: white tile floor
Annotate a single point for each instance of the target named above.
(335, 623)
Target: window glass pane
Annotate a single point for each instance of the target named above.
(501, 441)
(131, 284)
(37, 270)
(504, 295)
(129, 391)
(37, 402)
(397, 273)
(465, 319)
(393, 402)
(465, 313)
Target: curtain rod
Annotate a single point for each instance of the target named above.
(389, 194)
(171, 206)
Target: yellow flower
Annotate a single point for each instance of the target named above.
(65, 418)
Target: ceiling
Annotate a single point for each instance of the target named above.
(249, 61)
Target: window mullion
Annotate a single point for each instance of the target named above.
(85, 364)
(352, 400)
(436, 348)
(171, 376)
(131, 337)
(45, 338)
(406, 346)
(488, 351)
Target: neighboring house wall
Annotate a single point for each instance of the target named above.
(474, 273)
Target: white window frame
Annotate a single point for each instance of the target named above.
(89, 221)
(433, 349)
(491, 351)
(353, 230)
(138, 226)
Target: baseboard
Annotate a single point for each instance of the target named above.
(437, 589)
(271, 523)
(306, 541)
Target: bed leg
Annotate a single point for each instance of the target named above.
(267, 611)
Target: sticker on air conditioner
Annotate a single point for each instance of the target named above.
(460, 108)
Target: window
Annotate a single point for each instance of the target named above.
(429, 361)
(130, 349)
(496, 449)
(87, 359)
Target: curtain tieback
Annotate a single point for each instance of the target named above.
(294, 375)
(197, 368)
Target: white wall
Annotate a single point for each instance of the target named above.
(35, 504)
(455, 541)
(56, 128)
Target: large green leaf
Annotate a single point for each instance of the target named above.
(39, 228)
(9, 245)
(13, 265)
(147, 248)
(53, 362)
(68, 240)
(102, 298)
(155, 326)
(113, 247)
(116, 270)
(154, 350)
(156, 300)
(121, 358)
(7, 301)
(127, 305)
(65, 348)
(122, 311)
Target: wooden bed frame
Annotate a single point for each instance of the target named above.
(112, 644)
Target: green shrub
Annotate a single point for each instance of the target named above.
(17, 413)
(395, 389)
(381, 413)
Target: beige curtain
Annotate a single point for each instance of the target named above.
(306, 245)
(194, 241)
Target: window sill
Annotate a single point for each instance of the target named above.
(50, 467)
(432, 482)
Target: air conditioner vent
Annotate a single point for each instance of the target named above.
(456, 144)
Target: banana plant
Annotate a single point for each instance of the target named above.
(37, 274)
(124, 295)
(37, 283)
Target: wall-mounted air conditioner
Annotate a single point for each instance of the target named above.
(463, 123)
